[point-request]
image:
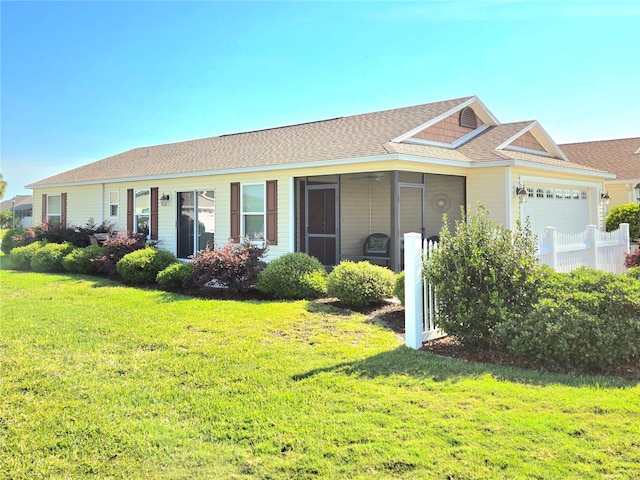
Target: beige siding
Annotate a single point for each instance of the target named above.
(447, 131)
(487, 187)
(83, 203)
(527, 140)
(620, 193)
(365, 209)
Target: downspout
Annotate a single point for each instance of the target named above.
(101, 204)
(292, 215)
(508, 200)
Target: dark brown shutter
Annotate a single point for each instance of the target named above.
(272, 212)
(63, 210)
(44, 209)
(154, 213)
(235, 211)
(130, 210)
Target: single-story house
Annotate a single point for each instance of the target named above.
(21, 208)
(323, 187)
(620, 156)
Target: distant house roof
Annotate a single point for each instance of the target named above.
(343, 139)
(620, 156)
(23, 202)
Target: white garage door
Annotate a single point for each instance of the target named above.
(565, 208)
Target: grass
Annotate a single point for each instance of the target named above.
(105, 381)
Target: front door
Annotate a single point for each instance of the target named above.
(322, 225)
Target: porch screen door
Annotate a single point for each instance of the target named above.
(321, 236)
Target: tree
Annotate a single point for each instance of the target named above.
(3, 187)
(5, 218)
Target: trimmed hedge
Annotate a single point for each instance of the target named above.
(81, 260)
(294, 275)
(49, 257)
(360, 284)
(175, 275)
(21, 256)
(398, 288)
(586, 320)
(143, 266)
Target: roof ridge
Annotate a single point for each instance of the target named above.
(599, 141)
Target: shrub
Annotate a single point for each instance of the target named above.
(627, 213)
(398, 288)
(235, 265)
(294, 275)
(482, 275)
(633, 273)
(16, 237)
(114, 249)
(21, 256)
(143, 266)
(632, 259)
(360, 284)
(587, 320)
(49, 257)
(175, 275)
(80, 260)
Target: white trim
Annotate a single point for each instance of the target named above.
(531, 151)
(534, 124)
(292, 217)
(508, 197)
(467, 103)
(538, 166)
(558, 182)
(243, 233)
(451, 146)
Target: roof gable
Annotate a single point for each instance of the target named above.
(535, 140)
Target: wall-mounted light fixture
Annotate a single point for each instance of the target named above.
(164, 199)
(521, 193)
(637, 190)
(605, 198)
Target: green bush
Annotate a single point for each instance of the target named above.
(482, 275)
(587, 320)
(360, 284)
(21, 256)
(80, 260)
(627, 213)
(294, 275)
(633, 273)
(143, 266)
(175, 275)
(398, 288)
(49, 257)
(14, 237)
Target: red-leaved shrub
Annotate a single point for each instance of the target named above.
(235, 266)
(632, 259)
(114, 249)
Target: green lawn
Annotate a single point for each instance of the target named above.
(99, 380)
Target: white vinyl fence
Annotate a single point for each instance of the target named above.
(591, 248)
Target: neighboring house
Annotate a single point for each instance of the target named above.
(323, 187)
(620, 156)
(21, 208)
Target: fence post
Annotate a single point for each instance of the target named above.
(551, 243)
(624, 237)
(592, 246)
(413, 314)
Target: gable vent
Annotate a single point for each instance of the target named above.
(468, 118)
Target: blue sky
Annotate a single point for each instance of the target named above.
(84, 80)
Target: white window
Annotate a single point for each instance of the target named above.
(54, 210)
(142, 212)
(114, 204)
(252, 208)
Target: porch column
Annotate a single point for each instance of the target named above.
(395, 261)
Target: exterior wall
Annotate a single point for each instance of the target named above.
(487, 187)
(447, 130)
(620, 193)
(83, 203)
(527, 140)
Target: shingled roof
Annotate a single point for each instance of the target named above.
(343, 138)
(620, 156)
